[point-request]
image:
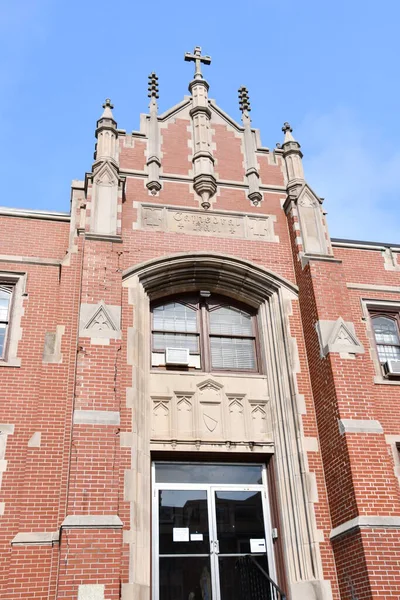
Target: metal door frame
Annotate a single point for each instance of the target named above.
(210, 489)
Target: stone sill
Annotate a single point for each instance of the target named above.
(381, 381)
(103, 237)
(208, 374)
(92, 522)
(14, 362)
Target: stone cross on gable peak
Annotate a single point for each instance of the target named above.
(197, 58)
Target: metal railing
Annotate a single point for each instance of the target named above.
(254, 581)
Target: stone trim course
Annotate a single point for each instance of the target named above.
(372, 522)
(359, 426)
(92, 522)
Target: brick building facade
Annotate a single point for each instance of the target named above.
(191, 366)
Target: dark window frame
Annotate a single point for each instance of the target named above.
(192, 305)
(201, 305)
(388, 313)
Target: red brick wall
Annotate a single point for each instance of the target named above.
(368, 564)
(37, 397)
(87, 558)
(359, 473)
(80, 470)
(33, 237)
(175, 148)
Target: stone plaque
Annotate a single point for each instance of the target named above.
(201, 222)
(152, 218)
(260, 228)
(195, 222)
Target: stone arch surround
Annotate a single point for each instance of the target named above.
(276, 392)
(228, 275)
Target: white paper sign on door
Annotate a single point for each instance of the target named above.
(180, 534)
(196, 537)
(257, 545)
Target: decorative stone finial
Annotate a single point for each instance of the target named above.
(292, 156)
(107, 185)
(106, 134)
(252, 175)
(108, 103)
(287, 130)
(205, 186)
(204, 181)
(244, 102)
(107, 113)
(153, 162)
(197, 58)
(153, 86)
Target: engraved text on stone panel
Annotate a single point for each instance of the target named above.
(192, 222)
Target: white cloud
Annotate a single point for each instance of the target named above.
(347, 163)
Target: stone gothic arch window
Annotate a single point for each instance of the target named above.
(211, 332)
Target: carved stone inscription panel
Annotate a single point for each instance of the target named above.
(209, 412)
(164, 218)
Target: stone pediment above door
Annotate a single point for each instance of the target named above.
(211, 412)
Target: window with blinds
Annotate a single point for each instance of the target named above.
(232, 339)
(387, 338)
(219, 334)
(175, 325)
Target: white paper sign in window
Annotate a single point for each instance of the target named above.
(257, 545)
(180, 534)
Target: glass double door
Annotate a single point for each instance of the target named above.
(202, 535)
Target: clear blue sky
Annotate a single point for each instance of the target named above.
(330, 68)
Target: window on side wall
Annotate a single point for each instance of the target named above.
(6, 292)
(12, 294)
(386, 328)
(204, 332)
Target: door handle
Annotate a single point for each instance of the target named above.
(214, 547)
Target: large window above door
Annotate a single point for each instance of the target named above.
(204, 331)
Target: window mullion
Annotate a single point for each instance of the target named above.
(204, 337)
